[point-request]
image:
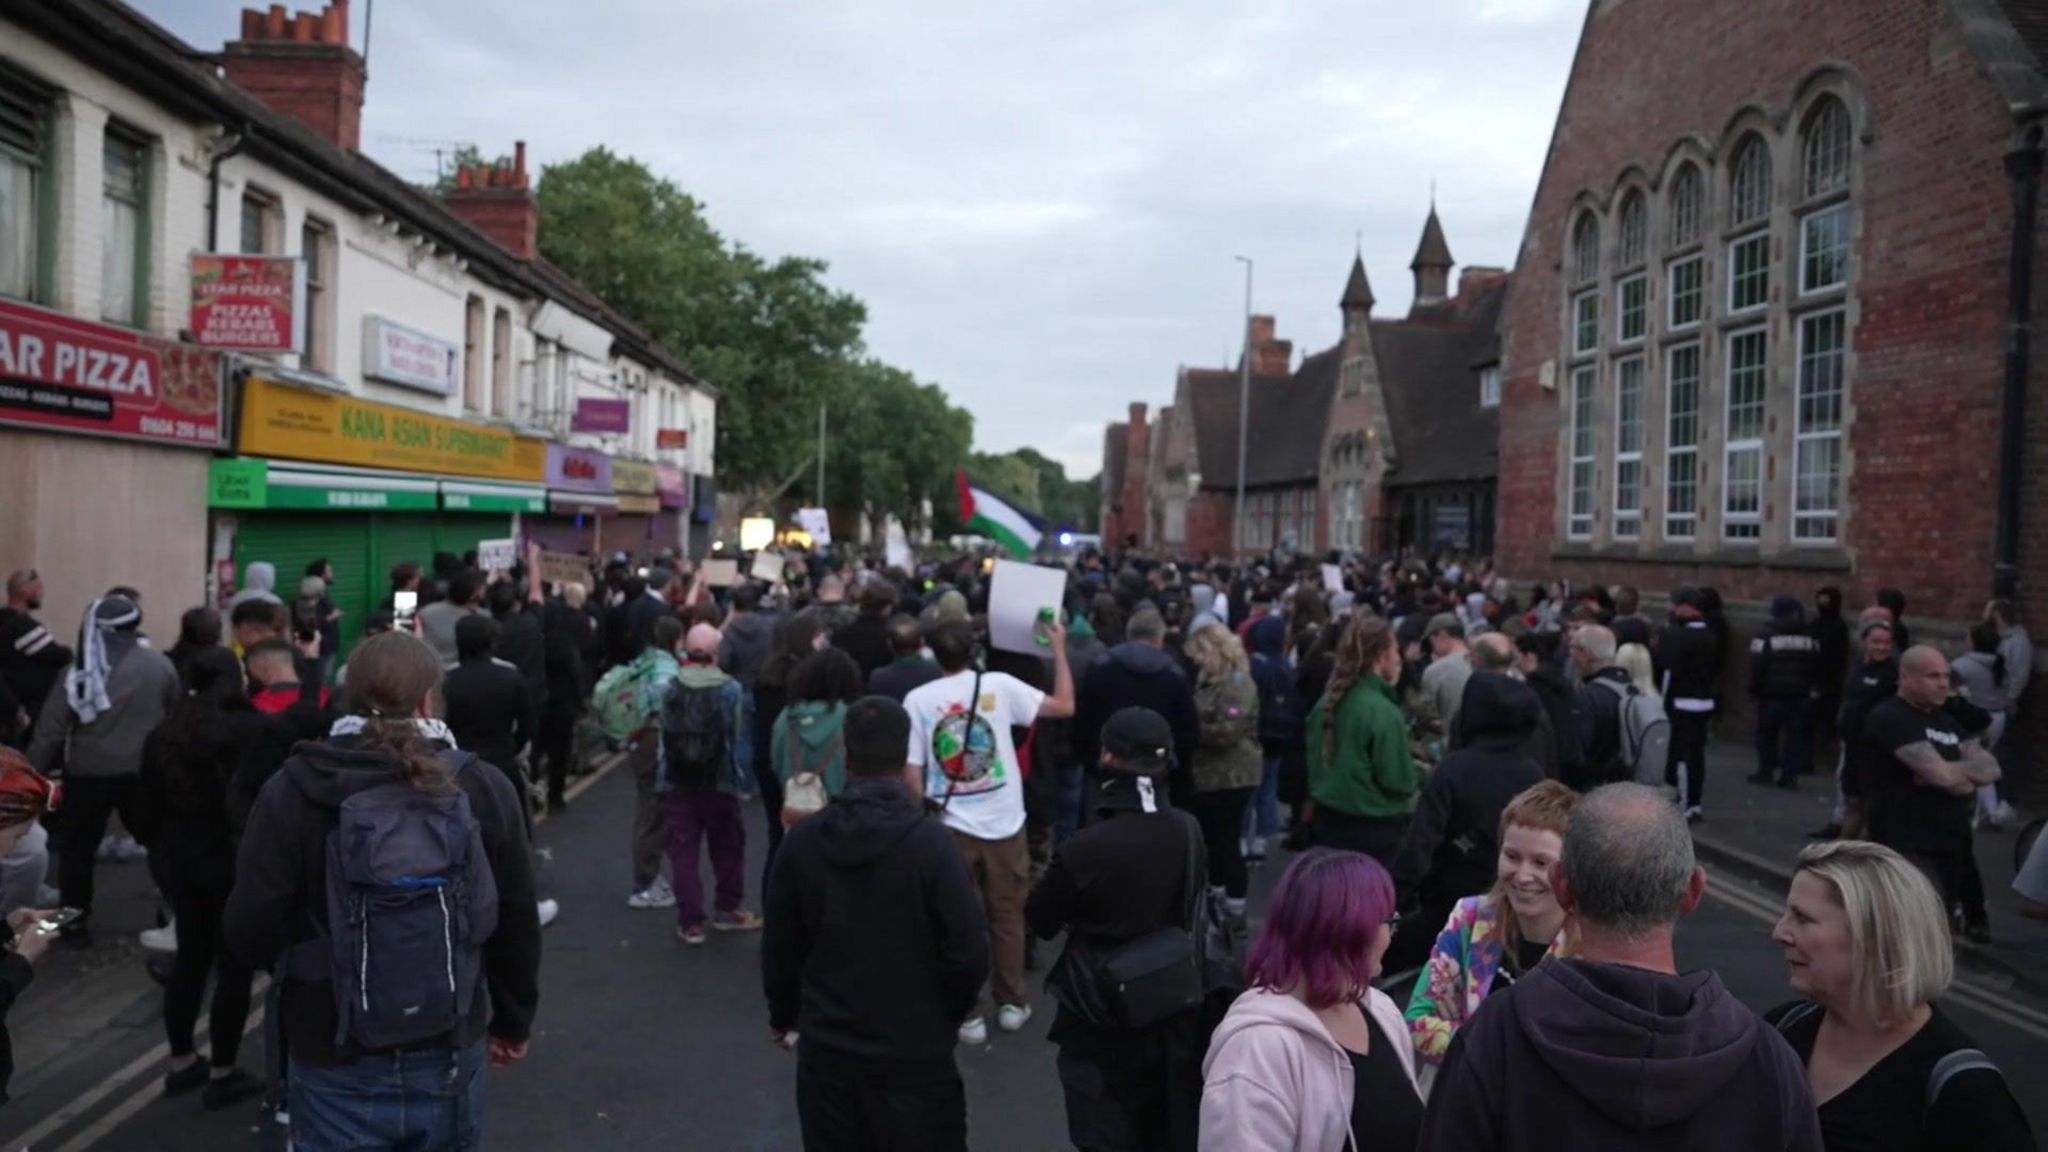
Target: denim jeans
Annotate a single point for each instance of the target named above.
(1262, 811)
(1073, 789)
(429, 1098)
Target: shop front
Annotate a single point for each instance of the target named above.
(104, 441)
(637, 529)
(365, 487)
(672, 489)
(579, 499)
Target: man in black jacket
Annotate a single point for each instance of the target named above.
(1872, 680)
(909, 670)
(866, 639)
(1123, 876)
(1599, 707)
(1493, 654)
(31, 659)
(522, 641)
(1784, 665)
(1692, 662)
(1831, 667)
(489, 708)
(876, 947)
(1138, 673)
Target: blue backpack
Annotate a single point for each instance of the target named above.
(1281, 716)
(410, 902)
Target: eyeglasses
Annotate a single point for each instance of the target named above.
(1393, 922)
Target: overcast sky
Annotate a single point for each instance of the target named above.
(1039, 200)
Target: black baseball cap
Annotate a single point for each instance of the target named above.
(1140, 739)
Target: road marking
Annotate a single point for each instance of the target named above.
(1963, 990)
(147, 1062)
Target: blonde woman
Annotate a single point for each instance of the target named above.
(1634, 659)
(1867, 942)
(1227, 762)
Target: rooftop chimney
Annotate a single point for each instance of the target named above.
(301, 65)
(497, 200)
(1270, 357)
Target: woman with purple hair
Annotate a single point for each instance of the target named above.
(1313, 1057)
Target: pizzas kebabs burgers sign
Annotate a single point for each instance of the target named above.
(62, 373)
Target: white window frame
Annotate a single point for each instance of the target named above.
(475, 320)
(1579, 303)
(1489, 387)
(1755, 240)
(1743, 527)
(124, 299)
(1682, 526)
(1837, 213)
(1628, 519)
(318, 249)
(1641, 282)
(1805, 438)
(1585, 380)
(1698, 294)
(1685, 224)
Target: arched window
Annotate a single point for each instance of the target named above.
(1685, 206)
(1829, 140)
(1586, 248)
(1634, 230)
(1749, 199)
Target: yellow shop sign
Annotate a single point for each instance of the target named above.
(329, 428)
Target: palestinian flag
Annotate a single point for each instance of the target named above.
(988, 514)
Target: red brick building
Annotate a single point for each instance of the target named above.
(1759, 334)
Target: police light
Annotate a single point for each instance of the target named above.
(1066, 539)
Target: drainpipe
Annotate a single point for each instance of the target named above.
(2023, 168)
(224, 147)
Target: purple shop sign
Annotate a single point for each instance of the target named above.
(606, 417)
(578, 469)
(672, 486)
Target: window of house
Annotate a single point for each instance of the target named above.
(501, 363)
(1579, 514)
(316, 247)
(1742, 504)
(124, 236)
(1586, 248)
(1685, 207)
(1688, 292)
(1749, 190)
(1308, 520)
(259, 222)
(1681, 443)
(1489, 387)
(1749, 273)
(1829, 141)
(1633, 308)
(1824, 250)
(1586, 323)
(24, 121)
(1817, 433)
(473, 354)
(1628, 449)
(1635, 231)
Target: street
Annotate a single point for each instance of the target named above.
(646, 1044)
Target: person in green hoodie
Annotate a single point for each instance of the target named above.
(1362, 781)
(807, 737)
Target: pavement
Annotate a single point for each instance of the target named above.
(643, 1043)
(1760, 831)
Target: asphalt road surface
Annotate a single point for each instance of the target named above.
(644, 1043)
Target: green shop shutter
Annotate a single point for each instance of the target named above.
(397, 538)
(292, 541)
(459, 532)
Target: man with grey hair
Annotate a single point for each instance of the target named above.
(1599, 706)
(1613, 1048)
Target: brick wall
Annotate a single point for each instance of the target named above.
(1137, 469)
(1929, 247)
(1209, 524)
(301, 64)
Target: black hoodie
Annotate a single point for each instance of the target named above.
(1134, 675)
(876, 945)
(280, 896)
(1593, 1057)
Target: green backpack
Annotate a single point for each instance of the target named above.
(617, 701)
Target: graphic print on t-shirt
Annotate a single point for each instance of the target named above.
(964, 746)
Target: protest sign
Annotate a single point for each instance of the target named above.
(1019, 598)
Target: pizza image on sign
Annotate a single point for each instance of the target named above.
(247, 303)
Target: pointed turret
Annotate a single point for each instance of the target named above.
(1432, 266)
(1357, 290)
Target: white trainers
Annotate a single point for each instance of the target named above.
(655, 895)
(975, 1031)
(2003, 817)
(164, 939)
(548, 911)
(1011, 1017)
(126, 850)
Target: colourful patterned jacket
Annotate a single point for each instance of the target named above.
(1460, 973)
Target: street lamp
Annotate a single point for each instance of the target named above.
(1244, 406)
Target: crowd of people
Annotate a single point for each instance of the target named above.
(1506, 779)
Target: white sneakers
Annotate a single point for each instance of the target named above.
(121, 848)
(655, 895)
(548, 911)
(1011, 1017)
(975, 1031)
(164, 939)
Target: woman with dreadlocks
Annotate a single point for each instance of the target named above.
(1362, 782)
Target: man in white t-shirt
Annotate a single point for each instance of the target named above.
(960, 745)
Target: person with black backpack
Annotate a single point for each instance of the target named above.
(705, 766)
(384, 877)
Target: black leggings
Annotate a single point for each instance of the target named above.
(201, 953)
(556, 747)
(1221, 815)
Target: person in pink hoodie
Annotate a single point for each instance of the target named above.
(1314, 1058)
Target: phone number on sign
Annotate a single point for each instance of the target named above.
(179, 429)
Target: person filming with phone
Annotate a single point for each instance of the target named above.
(24, 797)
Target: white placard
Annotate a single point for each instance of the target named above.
(497, 555)
(767, 567)
(1333, 579)
(756, 533)
(1017, 593)
(896, 548)
(818, 523)
(721, 573)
